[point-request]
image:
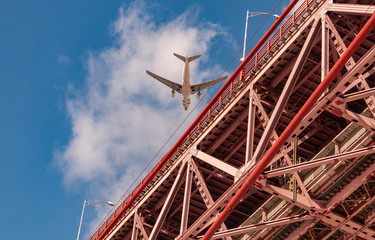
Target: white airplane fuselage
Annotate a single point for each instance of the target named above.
(186, 90)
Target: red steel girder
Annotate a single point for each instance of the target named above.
(291, 127)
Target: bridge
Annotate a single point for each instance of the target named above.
(284, 150)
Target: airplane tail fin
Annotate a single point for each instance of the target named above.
(184, 58)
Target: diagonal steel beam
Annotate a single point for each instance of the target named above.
(287, 90)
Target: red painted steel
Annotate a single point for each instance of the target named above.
(263, 163)
(227, 89)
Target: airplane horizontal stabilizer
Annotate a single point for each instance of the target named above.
(184, 58)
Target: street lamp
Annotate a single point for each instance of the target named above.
(249, 15)
(88, 203)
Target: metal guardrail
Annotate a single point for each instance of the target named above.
(251, 67)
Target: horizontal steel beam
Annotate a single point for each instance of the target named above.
(319, 162)
(357, 9)
(217, 163)
(359, 95)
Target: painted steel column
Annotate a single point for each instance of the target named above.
(187, 196)
(325, 48)
(134, 232)
(135, 229)
(250, 127)
(263, 163)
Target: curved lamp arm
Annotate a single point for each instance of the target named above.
(249, 15)
(88, 203)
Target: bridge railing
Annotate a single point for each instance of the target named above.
(252, 66)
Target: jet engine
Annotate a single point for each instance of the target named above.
(199, 95)
(173, 93)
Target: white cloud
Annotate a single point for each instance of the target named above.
(124, 116)
(63, 59)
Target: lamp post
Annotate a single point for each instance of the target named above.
(249, 15)
(88, 203)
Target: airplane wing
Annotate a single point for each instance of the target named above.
(199, 87)
(175, 86)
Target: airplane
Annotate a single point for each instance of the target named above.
(186, 89)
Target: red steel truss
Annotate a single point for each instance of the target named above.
(285, 149)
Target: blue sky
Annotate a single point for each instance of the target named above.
(79, 117)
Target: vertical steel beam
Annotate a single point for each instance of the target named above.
(294, 161)
(292, 126)
(250, 126)
(187, 196)
(168, 202)
(325, 48)
(134, 230)
(287, 90)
